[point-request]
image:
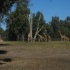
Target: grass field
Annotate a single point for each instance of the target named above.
(34, 55)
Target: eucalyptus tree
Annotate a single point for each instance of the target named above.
(55, 26)
(5, 6)
(38, 24)
(17, 23)
(2, 32)
(68, 18)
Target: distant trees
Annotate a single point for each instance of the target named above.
(18, 25)
(59, 25)
(68, 18)
(55, 26)
(52, 28)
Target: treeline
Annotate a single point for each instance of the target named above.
(17, 24)
(52, 28)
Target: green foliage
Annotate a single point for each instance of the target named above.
(17, 23)
(1, 32)
(5, 5)
(57, 25)
(68, 18)
(41, 22)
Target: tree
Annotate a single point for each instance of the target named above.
(32, 19)
(17, 23)
(2, 32)
(5, 6)
(55, 26)
(38, 24)
(68, 18)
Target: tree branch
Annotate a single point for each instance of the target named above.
(40, 29)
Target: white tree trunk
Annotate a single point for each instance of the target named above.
(38, 30)
(29, 17)
(37, 33)
(22, 37)
(30, 24)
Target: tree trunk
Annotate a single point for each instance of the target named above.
(35, 36)
(38, 30)
(30, 24)
(37, 33)
(17, 37)
(22, 37)
(31, 28)
(0, 36)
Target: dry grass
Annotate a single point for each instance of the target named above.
(35, 55)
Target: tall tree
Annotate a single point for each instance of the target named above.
(17, 22)
(29, 17)
(55, 25)
(5, 6)
(38, 24)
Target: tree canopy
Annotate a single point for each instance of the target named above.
(17, 23)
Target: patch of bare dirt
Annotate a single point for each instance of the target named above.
(29, 58)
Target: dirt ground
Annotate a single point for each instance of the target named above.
(34, 58)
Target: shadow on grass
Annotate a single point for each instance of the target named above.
(3, 52)
(2, 63)
(7, 60)
(2, 44)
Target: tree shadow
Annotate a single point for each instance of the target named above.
(4, 44)
(2, 63)
(7, 60)
(3, 52)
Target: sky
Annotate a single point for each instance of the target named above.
(49, 8)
